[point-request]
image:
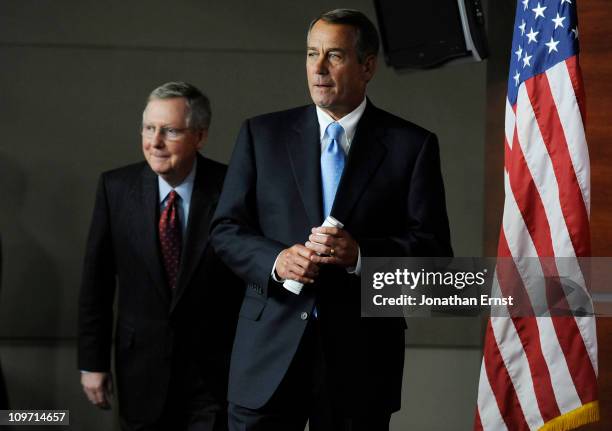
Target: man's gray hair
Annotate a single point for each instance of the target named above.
(367, 37)
(197, 103)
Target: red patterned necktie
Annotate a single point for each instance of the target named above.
(170, 238)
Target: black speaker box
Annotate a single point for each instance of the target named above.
(424, 34)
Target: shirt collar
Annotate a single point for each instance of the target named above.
(183, 190)
(348, 122)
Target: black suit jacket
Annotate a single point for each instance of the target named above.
(390, 199)
(158, 331)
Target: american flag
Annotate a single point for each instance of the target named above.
(540, 373)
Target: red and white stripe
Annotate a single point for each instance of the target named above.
(535, 369)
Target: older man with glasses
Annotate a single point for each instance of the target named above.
(176, 302)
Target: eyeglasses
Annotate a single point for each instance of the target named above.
(170, 133)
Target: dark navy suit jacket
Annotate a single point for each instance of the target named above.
(390, 199)
(186, 334)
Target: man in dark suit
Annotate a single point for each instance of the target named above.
(177, 303)
(310, 355)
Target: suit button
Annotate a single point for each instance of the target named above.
(304, 315)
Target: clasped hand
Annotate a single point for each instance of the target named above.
(325, 245)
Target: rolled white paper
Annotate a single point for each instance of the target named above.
(295, 286)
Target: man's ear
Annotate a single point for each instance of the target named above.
(369, 67)
(203, 138)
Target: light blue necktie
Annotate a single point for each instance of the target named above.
(332, 164)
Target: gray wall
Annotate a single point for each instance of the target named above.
(73, 80)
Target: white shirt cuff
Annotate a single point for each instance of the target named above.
(357, 268)
(273, 274)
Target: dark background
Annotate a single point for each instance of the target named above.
(73, 79)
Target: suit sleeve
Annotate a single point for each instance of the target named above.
(236, 234)
(97, 290)
(427, 232)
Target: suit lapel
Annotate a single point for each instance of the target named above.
(203, 199)
(145, 215)
(304, 154)
(366, 153)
